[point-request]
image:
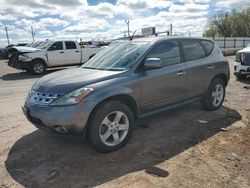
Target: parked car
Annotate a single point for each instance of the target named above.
(50, 54)
(94, 43)
(4, 53)
(129, 80)
(242, 63)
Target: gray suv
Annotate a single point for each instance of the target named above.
(128, 80)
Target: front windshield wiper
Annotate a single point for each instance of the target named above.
(115, 69)
(90, 68)
(103, 69)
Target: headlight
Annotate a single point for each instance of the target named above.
(73, 97)
(24, 58)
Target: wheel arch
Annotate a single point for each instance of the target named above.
(123, 98)
(221, 76)
(40, 60)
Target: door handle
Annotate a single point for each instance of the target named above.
(61, 52)
(77, 51)
(210, 67)
(180, 73)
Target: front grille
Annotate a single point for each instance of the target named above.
(247, 59)
(43, 98)
(243, 58)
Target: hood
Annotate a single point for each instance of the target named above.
(25, 49)
(68, 80)
(247, 50)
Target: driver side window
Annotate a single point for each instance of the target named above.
(56, 46)
(167, 51)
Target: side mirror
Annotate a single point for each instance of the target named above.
(51, 48)
(152, 63)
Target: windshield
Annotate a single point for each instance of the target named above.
(119, 56)
(45, 45)
(30, 44)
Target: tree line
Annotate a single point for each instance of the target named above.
(229, 24)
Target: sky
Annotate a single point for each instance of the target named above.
(105, 19)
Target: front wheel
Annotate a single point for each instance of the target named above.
(38, 67)
(215, 95)
(111, 126)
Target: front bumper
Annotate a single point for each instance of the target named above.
(241, 69)
(70, 120)
(22, 65)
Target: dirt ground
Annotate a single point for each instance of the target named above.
(184, 147)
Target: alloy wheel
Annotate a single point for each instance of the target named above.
(114, 128)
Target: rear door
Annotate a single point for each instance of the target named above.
(55, 54)
(72, 53)
(198, 66)
(160, 87)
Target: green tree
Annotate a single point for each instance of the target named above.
(232, 24)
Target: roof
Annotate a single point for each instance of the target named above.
(153, 38)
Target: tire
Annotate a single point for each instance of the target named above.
(215, 95)
(103, 128)
(38, 67)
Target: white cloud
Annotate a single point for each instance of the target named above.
(189, 7)
(52, 22)
(105, 20)
(88, 25)
(143, 4)
(7, 17)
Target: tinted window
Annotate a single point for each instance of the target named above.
(167, 51)
(57, 46)
(70, 45)
(209, 45)
(192, 50)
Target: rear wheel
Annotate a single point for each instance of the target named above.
(215, 95)
(111, 126)
(38, 67)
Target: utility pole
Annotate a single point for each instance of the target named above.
(7, 35)
(33, 34)
(171, 29)
(127, 22)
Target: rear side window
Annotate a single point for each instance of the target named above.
(70, 45)
(209, 45)
(57, 46)
(167, 51)
(192, 50)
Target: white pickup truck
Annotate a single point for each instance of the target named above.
(50, 54)
(242, 63)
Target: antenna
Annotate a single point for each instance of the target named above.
(131, 38)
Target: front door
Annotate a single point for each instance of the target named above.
(166, 85)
